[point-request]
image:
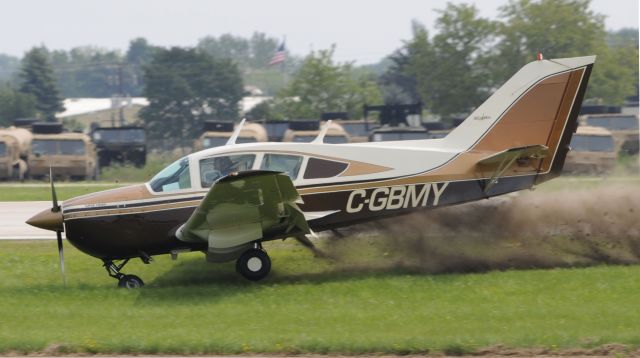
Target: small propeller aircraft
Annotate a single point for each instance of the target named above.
(227, 201)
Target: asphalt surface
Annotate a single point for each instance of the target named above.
(13, 215)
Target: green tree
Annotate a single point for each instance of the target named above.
(566, 28)
(9, 66)
(139, 54)
(38, 80)
(227, 46)
(557, 28)
(449, 72)
(185, 87)
(321, 85)
(14, 105)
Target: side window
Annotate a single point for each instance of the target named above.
(288, 164)
(212, 169)
(321, 168)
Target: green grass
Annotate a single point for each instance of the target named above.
(42, 191)
(307, 305)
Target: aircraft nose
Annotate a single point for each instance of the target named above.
(48, 220)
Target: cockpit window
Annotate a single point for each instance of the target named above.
(212, 169)
(288, 164)
(3, 149)
(174, 177)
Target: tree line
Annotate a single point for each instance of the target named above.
(450, 71)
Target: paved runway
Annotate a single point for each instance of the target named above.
(13, 215)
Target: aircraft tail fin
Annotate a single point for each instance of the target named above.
(538, 106)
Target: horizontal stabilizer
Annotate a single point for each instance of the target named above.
(499, 162)
(526, 152)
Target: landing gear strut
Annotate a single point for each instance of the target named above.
(254, 264)
(124, 281)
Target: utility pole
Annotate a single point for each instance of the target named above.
(121, 90)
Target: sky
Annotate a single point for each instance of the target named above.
(363, 31)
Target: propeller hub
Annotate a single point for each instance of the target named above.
(47, 219)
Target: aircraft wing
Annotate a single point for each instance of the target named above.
(245, 207)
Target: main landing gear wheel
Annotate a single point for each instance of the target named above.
(254, 264)
(130, 281)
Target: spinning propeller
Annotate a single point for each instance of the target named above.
(56, 209)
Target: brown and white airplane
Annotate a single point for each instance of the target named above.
(226, 201)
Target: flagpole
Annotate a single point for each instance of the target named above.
(284, 62)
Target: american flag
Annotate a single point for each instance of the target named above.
(279, 56)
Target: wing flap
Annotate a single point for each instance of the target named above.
(246, 207)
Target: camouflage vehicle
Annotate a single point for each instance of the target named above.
(306, 131)
(14, 149)
(358, 129)
(592, 152)
(276, 129)
(397, 122)
(218, 133)
(71, 155)
(386, 133)
(624, 128)
(121, 145)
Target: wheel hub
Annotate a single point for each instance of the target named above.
(254, 264)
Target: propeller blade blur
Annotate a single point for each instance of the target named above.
(61, 254)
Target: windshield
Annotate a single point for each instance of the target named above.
(592, 143)
(131, 135)
(175, 176)
(615, 123)
(276, 129)
(241, 140)
(3, 149)
(382, 137)
(211, 142)
(71, 147)
(44, 147)
(335, 139)
(356, 129)
(303, 138)
(58, 147)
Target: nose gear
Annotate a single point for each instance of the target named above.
(124, 281)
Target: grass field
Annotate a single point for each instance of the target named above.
(42, 191)
(379, 292)
(307, 305)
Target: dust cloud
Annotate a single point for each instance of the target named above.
(524, 230)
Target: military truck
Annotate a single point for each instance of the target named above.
(71, 155)
(624, 128)
(120, 145)
(397, 122)
(358, 129)
(218, 133)
(592, 152)
(308, 130)
(275, 129)
(14, 150)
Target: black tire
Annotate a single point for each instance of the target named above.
(254, 264)
(130, 282)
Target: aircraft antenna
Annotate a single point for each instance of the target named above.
(323, 132)
(236, 132)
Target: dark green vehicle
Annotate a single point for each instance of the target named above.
(120, 145)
